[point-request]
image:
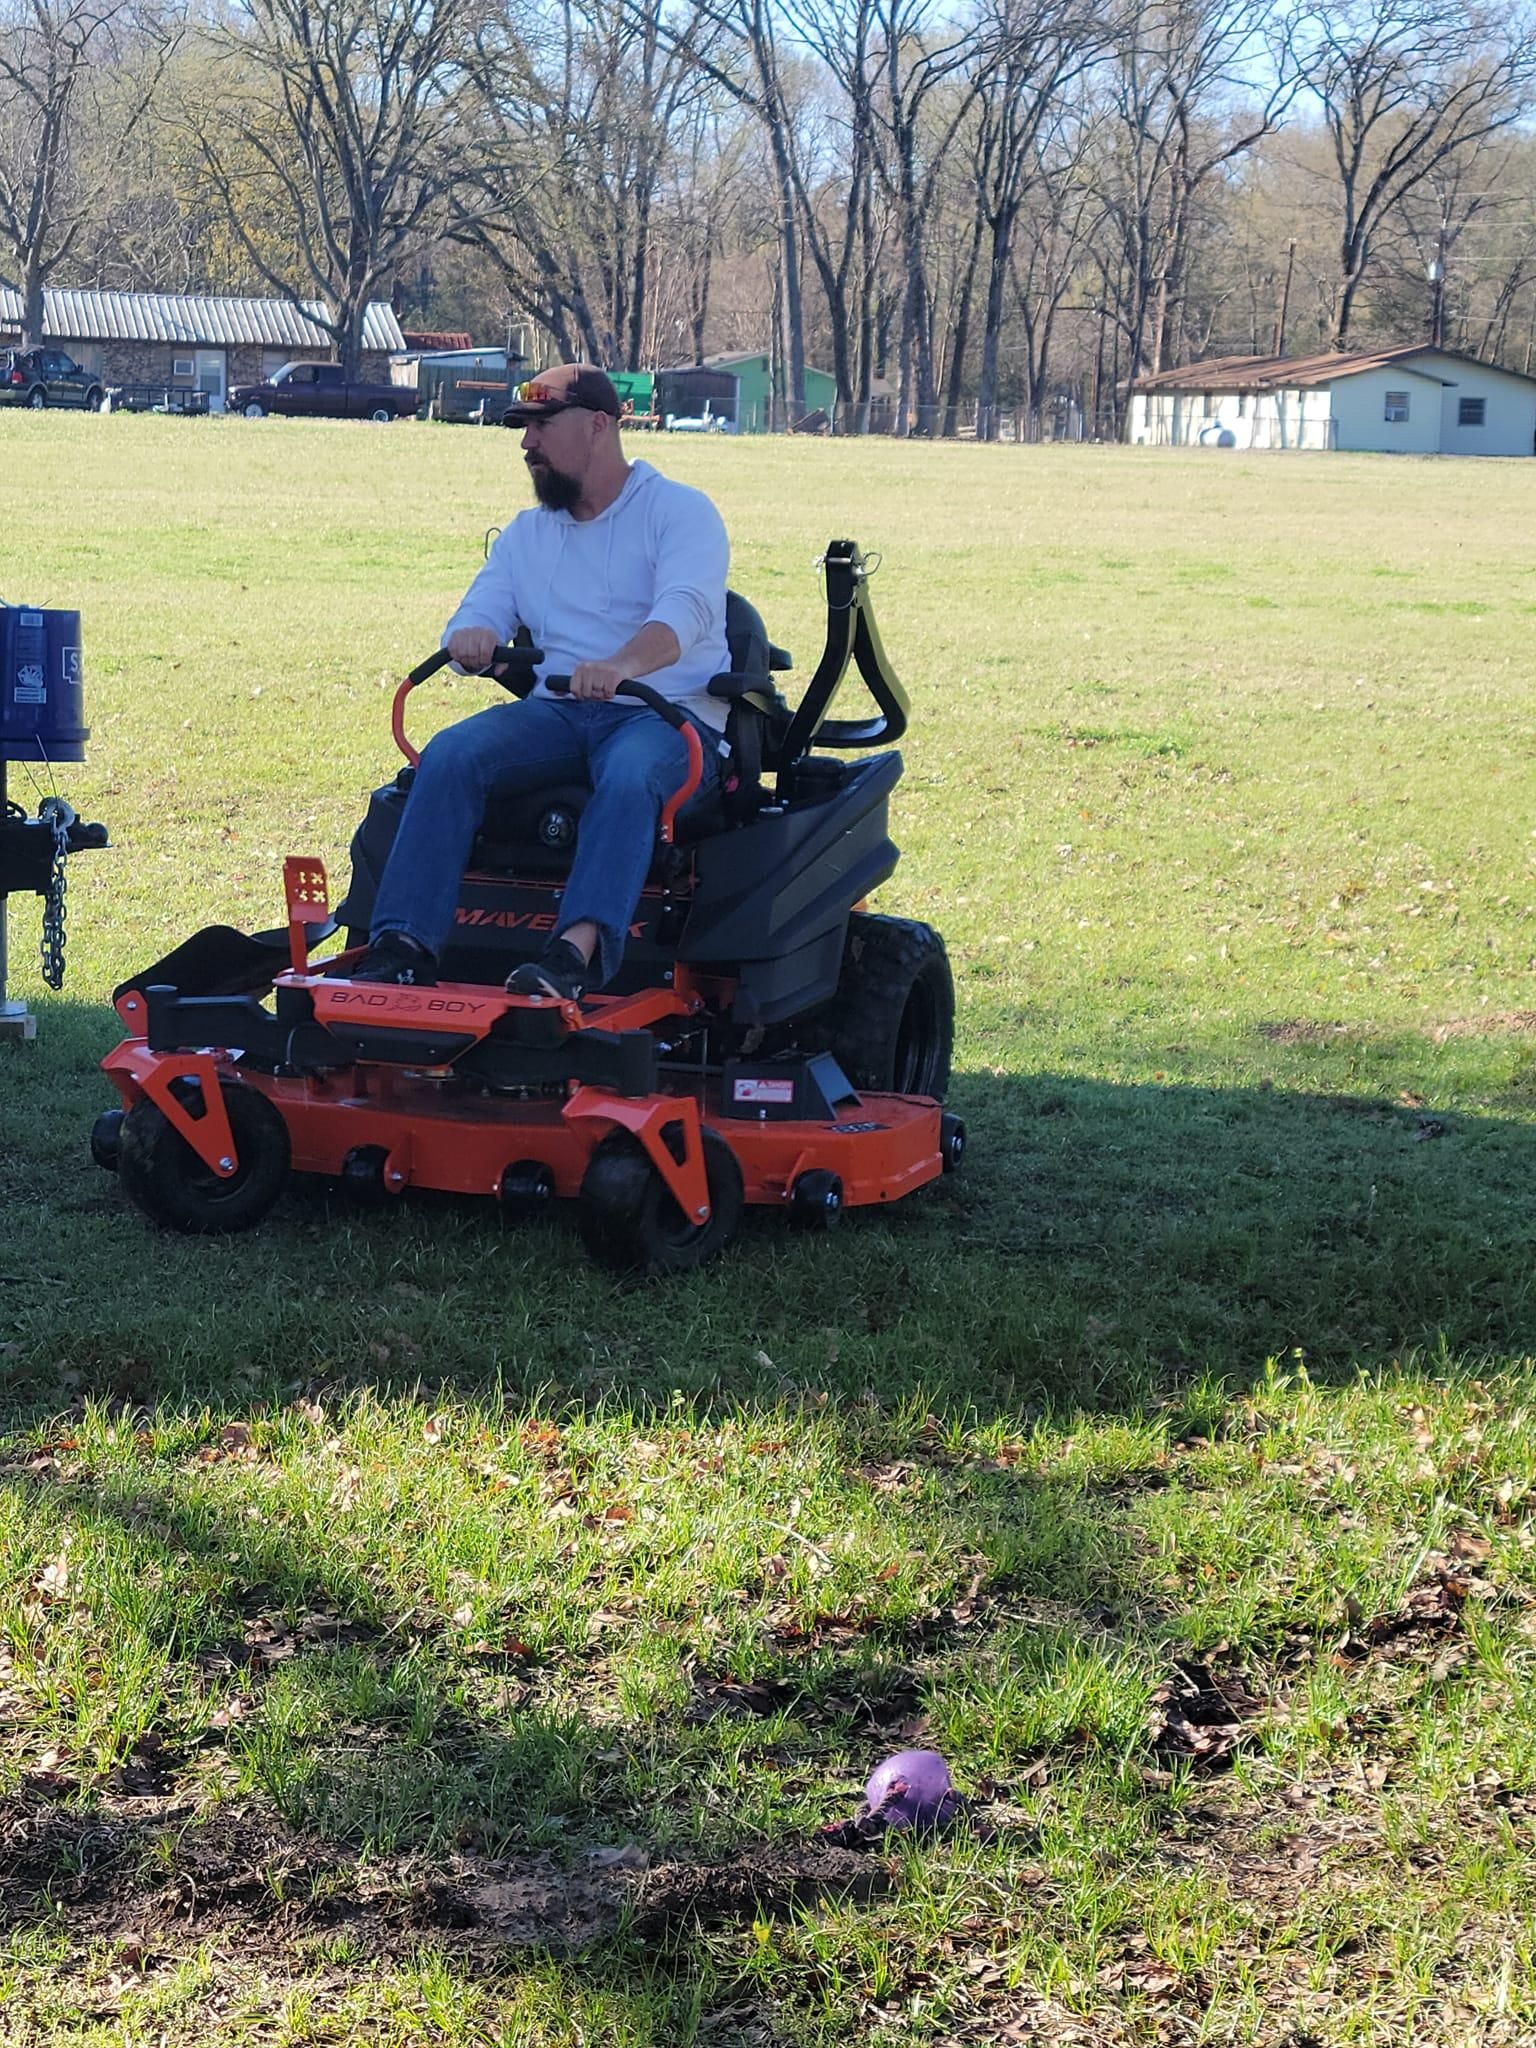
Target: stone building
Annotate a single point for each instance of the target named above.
(152, 338)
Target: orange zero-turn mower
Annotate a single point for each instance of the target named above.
(769, 1039)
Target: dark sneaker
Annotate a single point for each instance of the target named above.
(394, 957)
(559, 971)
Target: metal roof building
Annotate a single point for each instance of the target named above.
(1412, 400)
(191, 322)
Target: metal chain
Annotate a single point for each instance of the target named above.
(51, 812)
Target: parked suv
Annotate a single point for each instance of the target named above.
(46, 376)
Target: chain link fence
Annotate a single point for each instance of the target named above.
(1063, 418)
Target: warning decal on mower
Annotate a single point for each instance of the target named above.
(747, 1089)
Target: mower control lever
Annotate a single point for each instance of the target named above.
(518, 664)
(519, 659)
(521, 662)
(559, 686)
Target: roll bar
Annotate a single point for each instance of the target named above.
(852, 635)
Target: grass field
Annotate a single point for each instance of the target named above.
(408, 1634)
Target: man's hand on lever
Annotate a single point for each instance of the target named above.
(597, 680)
(471, 648)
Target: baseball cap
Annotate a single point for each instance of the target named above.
(557, 390)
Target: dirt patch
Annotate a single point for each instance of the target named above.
(769, 1880)
(1491, 1024)
(266, 1891)
(1305, 1031)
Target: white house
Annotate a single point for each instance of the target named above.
(1416, 400)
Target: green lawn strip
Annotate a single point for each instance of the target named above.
(350, 1676)
(384, 1561)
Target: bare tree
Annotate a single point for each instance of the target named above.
(699, 210)
(1404, 90)
(1064, 215)
(350, 121)
(838, 211)
(1193, 86)
(76, 78)
(735, 43)
(1030, 51)
(610, 103)
(925, 88)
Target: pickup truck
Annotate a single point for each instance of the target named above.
(320, 391)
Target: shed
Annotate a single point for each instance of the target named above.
(1413, 400)
(637, 392)
(463, 383)
(738, 388)
(205, 344)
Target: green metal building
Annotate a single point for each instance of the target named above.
(736, 390)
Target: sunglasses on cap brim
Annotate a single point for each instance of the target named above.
(548, 398)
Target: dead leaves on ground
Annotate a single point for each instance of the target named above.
(1430, 1612)
(1199, 1718)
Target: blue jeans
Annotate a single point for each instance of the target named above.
(633, 761)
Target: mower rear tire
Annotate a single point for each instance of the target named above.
(891, 1025)
(171, 1184)
(630, 1221)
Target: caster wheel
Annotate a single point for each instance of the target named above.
(630, 1222)
(816, 1200)
(527, 1190)
(951, 1142)
(168, 1181)
(106, 1133)
(362, 1175)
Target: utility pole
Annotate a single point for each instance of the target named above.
(1285, 299)
(1436, 269)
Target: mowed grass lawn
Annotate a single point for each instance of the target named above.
(407, 1634)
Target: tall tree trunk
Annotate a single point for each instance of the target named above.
(960, 334)
(991, 338)
(639, 278)
(699, 311)
(1352, 281)
(32, 305)
(794, 317)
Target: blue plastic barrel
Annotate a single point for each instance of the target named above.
(42, 706)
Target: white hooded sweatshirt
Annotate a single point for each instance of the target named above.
(584, 587)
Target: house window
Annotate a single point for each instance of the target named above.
(1396, 409)
(183, 369)
(1207, 405)
(1470, 411)
(1242, 405)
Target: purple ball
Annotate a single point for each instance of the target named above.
(912, 1789)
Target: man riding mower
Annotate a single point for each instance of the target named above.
(764, 1039)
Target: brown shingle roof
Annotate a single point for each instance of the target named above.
(1275, 373)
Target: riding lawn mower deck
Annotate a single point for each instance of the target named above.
(768, 1040)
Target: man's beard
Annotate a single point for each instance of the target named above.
(555, 488)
